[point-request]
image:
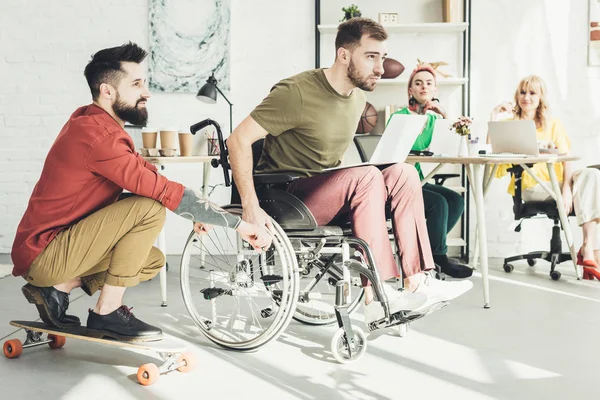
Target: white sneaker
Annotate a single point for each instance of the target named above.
(398, 301)
(439, 291)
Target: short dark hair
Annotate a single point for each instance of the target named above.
(105, 65)
(350, 32)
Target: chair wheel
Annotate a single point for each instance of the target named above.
(340, 348)
(440, 276)
(508, 268)
(531, 261)
(555, 275)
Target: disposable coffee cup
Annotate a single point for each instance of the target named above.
(168, 138)
(186, 144)
(149, 136)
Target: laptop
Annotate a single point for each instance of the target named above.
(395, 143)
(513, 138)
(444, 141)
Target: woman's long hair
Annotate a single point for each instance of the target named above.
(542, 114)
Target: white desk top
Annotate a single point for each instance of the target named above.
(491, 160)
(179, 159)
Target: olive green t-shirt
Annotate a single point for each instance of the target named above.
(310, 124)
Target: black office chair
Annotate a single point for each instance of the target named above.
(525, 210)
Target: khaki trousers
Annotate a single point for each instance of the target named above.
(114, 245)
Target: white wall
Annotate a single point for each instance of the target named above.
(45, 48)
(512, 39)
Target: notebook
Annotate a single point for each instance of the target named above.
(395, 143)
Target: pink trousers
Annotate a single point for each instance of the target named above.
(360, 194)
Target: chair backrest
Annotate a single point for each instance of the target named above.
(529, 209)
(366, 145)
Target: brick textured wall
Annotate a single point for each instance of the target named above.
(45, 46)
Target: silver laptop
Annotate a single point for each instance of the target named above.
(515, 138)
(395, 143)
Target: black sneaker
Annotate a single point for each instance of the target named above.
(121, 325)
(452, 267)
(52, 305)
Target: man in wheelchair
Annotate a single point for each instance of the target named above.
(308, 121)
(76, 234)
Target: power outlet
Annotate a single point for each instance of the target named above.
(388, 18)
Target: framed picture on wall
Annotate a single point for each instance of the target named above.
(594, 34)
(189, 41)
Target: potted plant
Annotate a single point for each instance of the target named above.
(462, 127)
(351, 11)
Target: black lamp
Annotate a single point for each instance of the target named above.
(208, 94)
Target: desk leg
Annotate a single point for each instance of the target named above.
(564, 219)
(205, 178)
(162, 246)
(475, 174)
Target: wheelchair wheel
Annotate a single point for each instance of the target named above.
(240, 299)
(317, 294)
(341, 349)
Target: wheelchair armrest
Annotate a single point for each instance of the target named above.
(441, 178)
(275, 178)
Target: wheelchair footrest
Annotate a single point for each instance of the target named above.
(403, 317)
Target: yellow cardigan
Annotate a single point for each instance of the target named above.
(553, 132)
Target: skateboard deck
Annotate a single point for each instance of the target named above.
(170, 351)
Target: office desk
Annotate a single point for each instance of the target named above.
(161, 163)
(481, 171)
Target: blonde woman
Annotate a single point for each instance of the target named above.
(580, 189)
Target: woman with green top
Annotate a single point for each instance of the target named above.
(443, 207)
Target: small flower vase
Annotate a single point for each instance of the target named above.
(463, 149)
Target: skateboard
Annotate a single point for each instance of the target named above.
(169, 351)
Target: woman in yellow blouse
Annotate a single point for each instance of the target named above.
(580, 189)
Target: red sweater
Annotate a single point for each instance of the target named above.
(90, 163)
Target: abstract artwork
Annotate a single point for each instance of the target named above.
(189, 40)
(594, 34)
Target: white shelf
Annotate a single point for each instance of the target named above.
(430, 27)
(455, 242)
(440, 81)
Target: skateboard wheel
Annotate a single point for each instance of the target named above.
(13, 348)
(57, 341)
(148, 374)
(190, 362)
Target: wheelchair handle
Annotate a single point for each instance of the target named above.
(222, 160)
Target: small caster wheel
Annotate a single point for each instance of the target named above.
(531, 261)
(13, 348)
(508, 268)
(148, 374)
(440, 276)
(57, 341)
(403, 329)
(190, 362)
(555, 275)
(340, 348)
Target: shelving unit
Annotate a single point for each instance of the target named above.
(429, 27)
(440, 82)
(386, 88)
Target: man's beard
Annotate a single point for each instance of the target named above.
(359, 81)
(133, 115)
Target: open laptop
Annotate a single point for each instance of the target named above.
(444, 141)
(395, 143)
(513, 138)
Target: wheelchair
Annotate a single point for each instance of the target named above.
(242, 299)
